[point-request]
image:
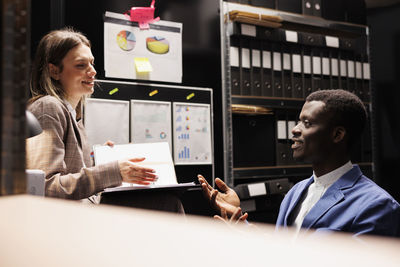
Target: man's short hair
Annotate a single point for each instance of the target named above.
(345, 109)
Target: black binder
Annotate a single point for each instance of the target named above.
(277, 70)
(333, 58)
(245, 82)
(289, 6)
(291, 123)
(310, 39)
(333, 10)
(253, 140)
(366, 79)
(235, 66)
(316, 64)
(297, 68)
(326, 69)
(266, 60)
(307, 7)
(359, 76)
(307, 71)
(256, 82)
(287, 71)
(317, 11)
(344, 73)
(263, 3)
(351, 73)
(282, 156)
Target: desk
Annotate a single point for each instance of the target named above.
(39, 231)
(164, 198)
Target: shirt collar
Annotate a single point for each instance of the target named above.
(331, 177)
(70, 109)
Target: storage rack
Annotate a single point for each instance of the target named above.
(275, 59)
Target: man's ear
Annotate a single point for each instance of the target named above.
(54, 71)
(339, 134)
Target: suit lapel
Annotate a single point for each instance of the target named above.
(332, 196)
(296, 198)
(74, 122)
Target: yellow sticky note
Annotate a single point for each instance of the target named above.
(113, 91)
(143, 65)
(189, 96)
(154, 92)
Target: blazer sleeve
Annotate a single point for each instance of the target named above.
(380, 217)
(47, 152)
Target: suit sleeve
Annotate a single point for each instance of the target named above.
(47, 152)
(379, 217)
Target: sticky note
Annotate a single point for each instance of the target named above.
(143, 65)
(154, 92)
(113, 91)
(190, 96)
(143, 15)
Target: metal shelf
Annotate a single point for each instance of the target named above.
(273, 102)
(352, 37)
(299, 22)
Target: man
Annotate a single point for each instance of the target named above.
(337, 197)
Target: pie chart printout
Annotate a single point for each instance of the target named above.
(126, 40)
(157, 44)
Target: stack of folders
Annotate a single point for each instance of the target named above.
(280, 63)
(256, 19)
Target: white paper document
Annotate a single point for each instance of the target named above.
(131, 53)
(158, 157)
(106, 119)
(192, 133)
(151, 122)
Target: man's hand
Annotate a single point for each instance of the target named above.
(226, 200)
(236, 217)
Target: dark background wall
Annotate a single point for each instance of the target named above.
(384, 26)
(201, 59)
(200, 41)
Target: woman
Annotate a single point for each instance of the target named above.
(62, 76)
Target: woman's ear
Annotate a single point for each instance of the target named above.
(339, 134)
(54, 71)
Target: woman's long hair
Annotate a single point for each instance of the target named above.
(52, 48)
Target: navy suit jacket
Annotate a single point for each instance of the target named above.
(352, 204)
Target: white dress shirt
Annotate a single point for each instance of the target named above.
(316, 190)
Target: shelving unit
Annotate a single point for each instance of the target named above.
(274, 59)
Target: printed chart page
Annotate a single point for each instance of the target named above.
(157, 156)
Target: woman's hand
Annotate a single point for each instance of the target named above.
(132, 173)
(109, 143)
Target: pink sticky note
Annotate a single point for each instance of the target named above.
(143, 15)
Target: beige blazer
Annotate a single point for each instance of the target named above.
(62, 152)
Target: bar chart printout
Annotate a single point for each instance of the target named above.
(192, 133)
